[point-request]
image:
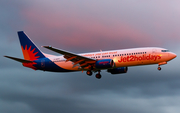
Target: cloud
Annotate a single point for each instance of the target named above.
(58, 92)
(82, 26)
(72, 29)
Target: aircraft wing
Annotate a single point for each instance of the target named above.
(19, 60)
(77, 59)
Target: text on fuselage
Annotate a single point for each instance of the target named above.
(139, 58)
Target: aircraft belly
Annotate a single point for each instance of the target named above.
(67, 65)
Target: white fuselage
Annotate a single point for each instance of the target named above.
(122, 58)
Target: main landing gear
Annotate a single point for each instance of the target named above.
(98, 75)
(89, 72)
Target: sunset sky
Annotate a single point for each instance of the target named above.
(86, 26)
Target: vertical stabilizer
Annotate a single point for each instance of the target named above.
(29, 49)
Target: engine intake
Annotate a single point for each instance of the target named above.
(118, 70)
(104, 64)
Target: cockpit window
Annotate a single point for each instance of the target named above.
(164, 50)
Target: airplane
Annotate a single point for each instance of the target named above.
(114, 61)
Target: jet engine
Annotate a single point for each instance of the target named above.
(118, 70)
(104, 64)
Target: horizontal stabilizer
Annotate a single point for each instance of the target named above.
(19, 60)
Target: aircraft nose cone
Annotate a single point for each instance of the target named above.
(173, 55)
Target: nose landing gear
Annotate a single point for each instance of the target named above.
(159, 68)
(162, 63)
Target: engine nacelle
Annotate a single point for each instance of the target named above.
(118, 70)
(104, 64)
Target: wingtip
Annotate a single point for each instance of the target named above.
(46, 46)
(7, 56)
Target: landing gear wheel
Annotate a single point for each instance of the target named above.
(89, 73)
(159, 68)
(98, 76)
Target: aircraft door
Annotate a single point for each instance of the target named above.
(153, 52)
